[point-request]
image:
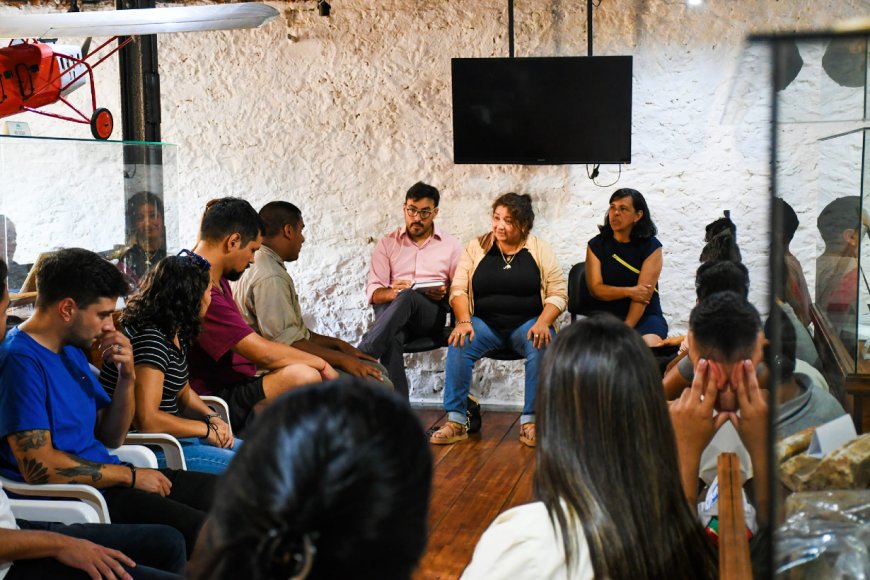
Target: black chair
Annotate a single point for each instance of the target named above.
(578, 293)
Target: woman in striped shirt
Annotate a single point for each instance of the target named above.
(161, 321)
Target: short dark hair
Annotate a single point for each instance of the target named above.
(320, 469)
(644, 228)
(725, 325)
(229, 215)
(170, 297)
(78, 274)
(844, 213)
(790, 221)
(784, 361)
(276, 214)
(520, 208)
(713, 277)
(422, 190)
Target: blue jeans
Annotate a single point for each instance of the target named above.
(200, 456)
(460, 364)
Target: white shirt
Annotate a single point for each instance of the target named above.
(522, 543)
(7, 521)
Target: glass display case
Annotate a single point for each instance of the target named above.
(820, 252)
(115, 198)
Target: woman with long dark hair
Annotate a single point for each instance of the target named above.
(321, 490)
(611, 500)
(623, 264)
(161, 321)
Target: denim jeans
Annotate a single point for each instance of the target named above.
(200, 456)
(460, 364)
(158, 551)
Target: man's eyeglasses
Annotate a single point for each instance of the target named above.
(423, 213)
(196, 259)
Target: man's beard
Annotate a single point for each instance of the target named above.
(233, 275)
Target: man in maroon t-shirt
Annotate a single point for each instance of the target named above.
(225, 358)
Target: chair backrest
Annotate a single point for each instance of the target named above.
(578, 293)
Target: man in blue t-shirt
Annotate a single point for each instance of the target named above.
(56, 420)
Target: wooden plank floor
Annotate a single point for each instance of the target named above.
(473, 482)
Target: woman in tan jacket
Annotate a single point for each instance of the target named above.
(507, 292)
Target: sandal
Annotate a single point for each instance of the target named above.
(449, 433)
(527, 434)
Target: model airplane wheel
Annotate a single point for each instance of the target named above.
(102, 124)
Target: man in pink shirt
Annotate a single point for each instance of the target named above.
(418, 254)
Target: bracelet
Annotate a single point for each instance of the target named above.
(207, 428)
(133, 475)
(464, 322)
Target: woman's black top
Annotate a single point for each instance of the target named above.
(505, 298)
(618, 261)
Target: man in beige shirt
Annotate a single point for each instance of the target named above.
(268, 301)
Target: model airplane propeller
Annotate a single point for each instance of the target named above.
(34, 74)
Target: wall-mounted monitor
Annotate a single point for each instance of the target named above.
(542, 111)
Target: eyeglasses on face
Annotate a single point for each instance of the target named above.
(196, 259)
(423, 213)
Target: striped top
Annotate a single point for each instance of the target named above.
(152, 347)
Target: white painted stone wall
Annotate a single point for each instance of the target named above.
(341, 115)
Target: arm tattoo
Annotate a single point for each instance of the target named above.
(84, 468)
(27, 440)
(33, 471)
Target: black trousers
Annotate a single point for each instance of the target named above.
(158, 551)
(409, 316)
(184, 508)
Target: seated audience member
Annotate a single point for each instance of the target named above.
(266, 297)
(725, 346)
(797, 295)
(623, 264)
(161, 322)
(321, 490)
(841, 224)
(610, 503)
(56, 420)
(418, 252)
(31, 549)
(226, 355)
(508, 291)
(801, 402)
(710, 278)
(720, 237)
(148, 238)
(8, 245)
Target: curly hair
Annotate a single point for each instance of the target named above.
(520, 208)
(169, 298)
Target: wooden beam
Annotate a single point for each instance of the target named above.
(734, 562)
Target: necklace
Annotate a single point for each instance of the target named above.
(507, 261)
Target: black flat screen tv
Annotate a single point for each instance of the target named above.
(542, 111)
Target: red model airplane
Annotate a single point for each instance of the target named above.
(34, 74)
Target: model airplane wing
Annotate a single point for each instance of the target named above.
(137, 21)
